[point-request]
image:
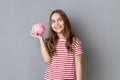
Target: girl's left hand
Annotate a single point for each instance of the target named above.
(33, 34)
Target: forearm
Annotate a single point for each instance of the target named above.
(78, 72)
(44, 52)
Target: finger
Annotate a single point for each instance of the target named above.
(32, 34)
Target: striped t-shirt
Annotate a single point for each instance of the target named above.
(62, 65)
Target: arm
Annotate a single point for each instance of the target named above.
(46, 57)
(78, 66)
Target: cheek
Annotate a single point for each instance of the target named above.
(62, 23)
(52, 25)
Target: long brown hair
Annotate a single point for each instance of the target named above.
(52, 39)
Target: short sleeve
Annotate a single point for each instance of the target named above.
(77, 46)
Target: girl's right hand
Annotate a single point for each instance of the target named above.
(33, 34)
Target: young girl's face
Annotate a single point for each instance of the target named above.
(57, 23)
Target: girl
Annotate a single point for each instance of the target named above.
(62, 50)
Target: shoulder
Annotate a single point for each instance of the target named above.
(76, 39)
(76, 42)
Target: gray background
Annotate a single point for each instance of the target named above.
(95, 22)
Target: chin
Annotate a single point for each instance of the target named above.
(58, 31)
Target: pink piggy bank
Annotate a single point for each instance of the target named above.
(38, 28)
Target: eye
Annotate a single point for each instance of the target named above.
(52, 21)
(60, 19)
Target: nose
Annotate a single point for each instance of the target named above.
(56, 23)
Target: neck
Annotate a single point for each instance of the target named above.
(60, 35)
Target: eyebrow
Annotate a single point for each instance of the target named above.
(57, 18)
